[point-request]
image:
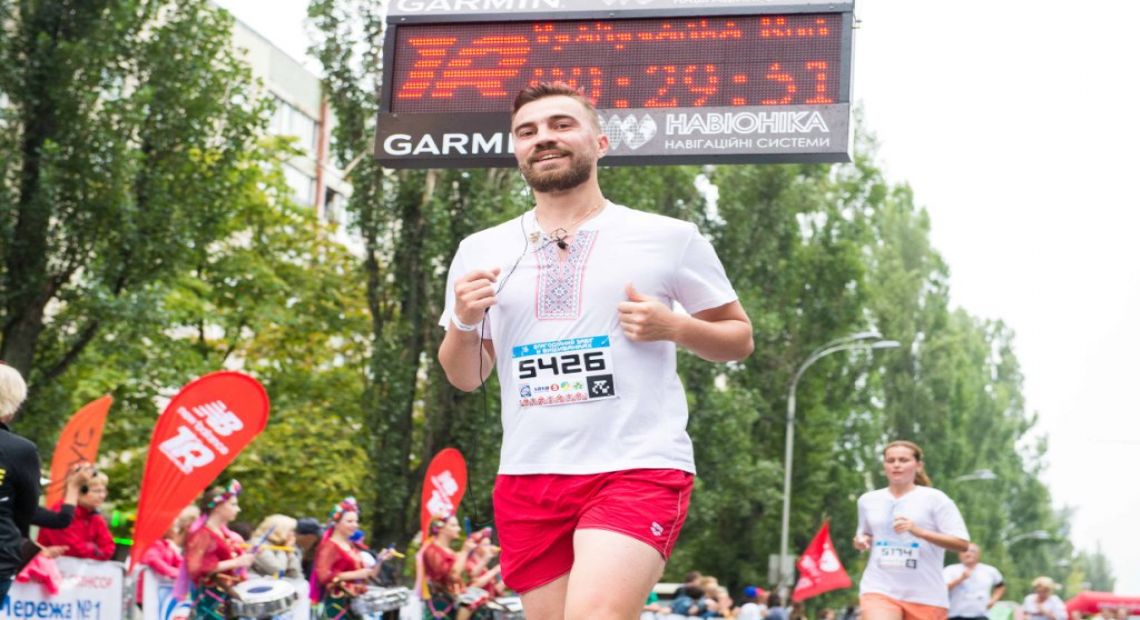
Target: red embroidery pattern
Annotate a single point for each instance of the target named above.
(559, 294)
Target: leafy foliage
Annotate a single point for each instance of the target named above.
(146, 239)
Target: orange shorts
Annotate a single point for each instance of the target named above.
(881, 606)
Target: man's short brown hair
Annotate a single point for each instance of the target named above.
(542, 90)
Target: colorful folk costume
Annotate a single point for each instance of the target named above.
(332, 594)
(443, 590)
(205, 549)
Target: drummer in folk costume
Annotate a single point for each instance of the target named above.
(339, 571)
(214, 559)
(443, 569)
(479, 569)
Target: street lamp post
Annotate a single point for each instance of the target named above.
(981, 474)
(1034, 535)
(861, 340)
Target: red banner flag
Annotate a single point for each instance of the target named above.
(819, 567)
(445, 482)
(78, 442)
(203, 429)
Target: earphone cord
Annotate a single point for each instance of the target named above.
(483, 382)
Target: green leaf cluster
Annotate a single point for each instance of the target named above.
(147, 239)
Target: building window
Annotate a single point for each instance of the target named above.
(300, 184)
(289, 121)
(336, 208)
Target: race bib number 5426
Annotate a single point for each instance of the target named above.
(563, 371)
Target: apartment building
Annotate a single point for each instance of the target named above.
(300, 111)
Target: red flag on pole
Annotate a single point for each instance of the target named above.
(203, 429)
(819, 567)
(445, 482)
(78, 442)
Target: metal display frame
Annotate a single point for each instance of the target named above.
(482, 139)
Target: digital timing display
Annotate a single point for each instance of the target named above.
(673, 62)
(673, 81)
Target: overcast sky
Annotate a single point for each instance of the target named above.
(1015, 123)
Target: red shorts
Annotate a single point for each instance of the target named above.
(538, 514)
(880, 605)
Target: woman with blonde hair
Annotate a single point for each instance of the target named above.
(1043, 604)
(87, 536)
(278, 555)
(907, 526)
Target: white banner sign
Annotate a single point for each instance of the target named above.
(158, 604)
(88, 590)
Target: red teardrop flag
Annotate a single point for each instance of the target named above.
(445, 482)
(78, 442)
(199, 434)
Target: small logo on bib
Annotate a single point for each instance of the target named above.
(601, 386)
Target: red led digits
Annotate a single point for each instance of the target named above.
(486, 65)
(820, 87)
(778, 28)
(667, 79)
(677, 62)
(775, 74)
(696, 82)
(701, 82)
(430, 52)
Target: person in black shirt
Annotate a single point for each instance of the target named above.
(20, 486)
(308, 535)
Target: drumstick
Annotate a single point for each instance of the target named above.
(269, 547)
(264, 537)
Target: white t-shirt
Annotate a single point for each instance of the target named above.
(751, 611)
(903, 566)
(577, 396)
(1052, 609)
(971, 598)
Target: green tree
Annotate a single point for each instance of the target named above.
(1091, 571)
(128, 127)
(955, 387)
(410, 222)
(815, 252)
(277, 298)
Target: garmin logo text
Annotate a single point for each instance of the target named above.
(712, 123)
(400, 144)
(425, 6)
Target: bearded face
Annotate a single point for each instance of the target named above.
(548, 170)
(557, 144)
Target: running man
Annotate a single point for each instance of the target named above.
(572, 303)
(974, 586)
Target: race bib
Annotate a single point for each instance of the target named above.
(897, 554)
(574, 370)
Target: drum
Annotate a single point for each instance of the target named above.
(262, 598)
(473, 597)
(506, 608)
(376, 600)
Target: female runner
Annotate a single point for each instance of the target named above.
(907, 526)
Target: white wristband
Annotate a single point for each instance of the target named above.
(461, 326)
